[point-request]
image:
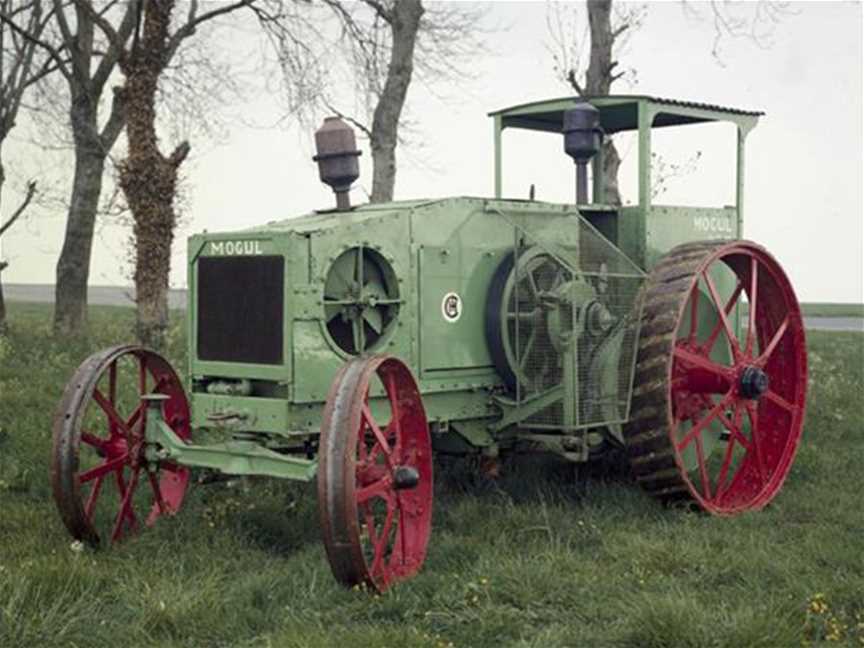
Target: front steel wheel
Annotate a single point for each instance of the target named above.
(103, 484)
(375, 474)
(721, 378)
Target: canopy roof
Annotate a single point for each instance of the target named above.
(621, 113)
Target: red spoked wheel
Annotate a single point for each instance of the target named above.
(375, 474)
(719, 396)
(103, 483)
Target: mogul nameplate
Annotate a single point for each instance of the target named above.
(244, 248)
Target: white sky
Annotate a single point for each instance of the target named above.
(804, 166)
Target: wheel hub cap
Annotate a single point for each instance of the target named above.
(405, 477)
(753, 383)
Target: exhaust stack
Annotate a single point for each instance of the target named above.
(583, 137)
(337, 155)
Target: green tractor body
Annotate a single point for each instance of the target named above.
(493, 326)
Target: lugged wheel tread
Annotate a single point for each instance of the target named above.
(646, 436)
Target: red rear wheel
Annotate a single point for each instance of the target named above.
(375, 474)
(103, 484)
(718, 407)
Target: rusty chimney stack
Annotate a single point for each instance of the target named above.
(337, 155)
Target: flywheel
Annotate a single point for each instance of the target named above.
(518, 307)
(721, 377)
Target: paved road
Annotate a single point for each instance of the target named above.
(120, 296)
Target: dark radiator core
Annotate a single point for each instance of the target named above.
(240, 309)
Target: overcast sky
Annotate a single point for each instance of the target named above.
(804, 166)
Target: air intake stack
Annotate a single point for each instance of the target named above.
(583, 138)
(337, 156)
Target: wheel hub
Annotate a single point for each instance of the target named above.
(405, 477)
(753, 383)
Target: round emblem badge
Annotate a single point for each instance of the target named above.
(451, 307)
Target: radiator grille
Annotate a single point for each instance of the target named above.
(240, 309)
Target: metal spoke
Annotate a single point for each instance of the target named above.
(715, 332)
(110, 412)
(775, 340)
(104, 469)
(91, 499)
(703, 362)
(777, 399)
(721, 312)
(751, 323)
(370, 524)
(754, 439)
(376, 431)
(93, 440)
(698, 427)
(377, 488)
(125, 505)
(529, 345)
(383, 537)
(703, 471)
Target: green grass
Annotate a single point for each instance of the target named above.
(539, 561)
(824, 309)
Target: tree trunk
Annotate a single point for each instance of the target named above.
(2, 263)
(73, 267)
(598, 82)
(148, 178)
(3, 326)
(404, 23)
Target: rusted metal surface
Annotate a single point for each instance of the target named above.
(706, 391)
(116, 445)
(375, 481)
(336, 156)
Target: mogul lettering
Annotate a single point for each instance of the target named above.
(245, 248)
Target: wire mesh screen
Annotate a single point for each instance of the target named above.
(572, 319)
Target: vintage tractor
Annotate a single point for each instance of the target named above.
(349, 344)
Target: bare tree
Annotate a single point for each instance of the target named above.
(22, 64)
(375, 48)
(147, 176)
(31, 189)
(607, 35)
(86, 70)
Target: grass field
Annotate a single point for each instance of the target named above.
(539, 561)
(816, 309)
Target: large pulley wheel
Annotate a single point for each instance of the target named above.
(518, 336)
(721, 378)
(375, 474)
(104, 486)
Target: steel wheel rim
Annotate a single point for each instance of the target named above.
(772, 343)
(118, 449)
(357, 467)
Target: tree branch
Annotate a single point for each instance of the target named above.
(117, 42)
(180, 153)
(31, 191)
(192, 23)
(574, 83)
(116, 120)
(53, 52)
(380, 9)
(359, 125)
